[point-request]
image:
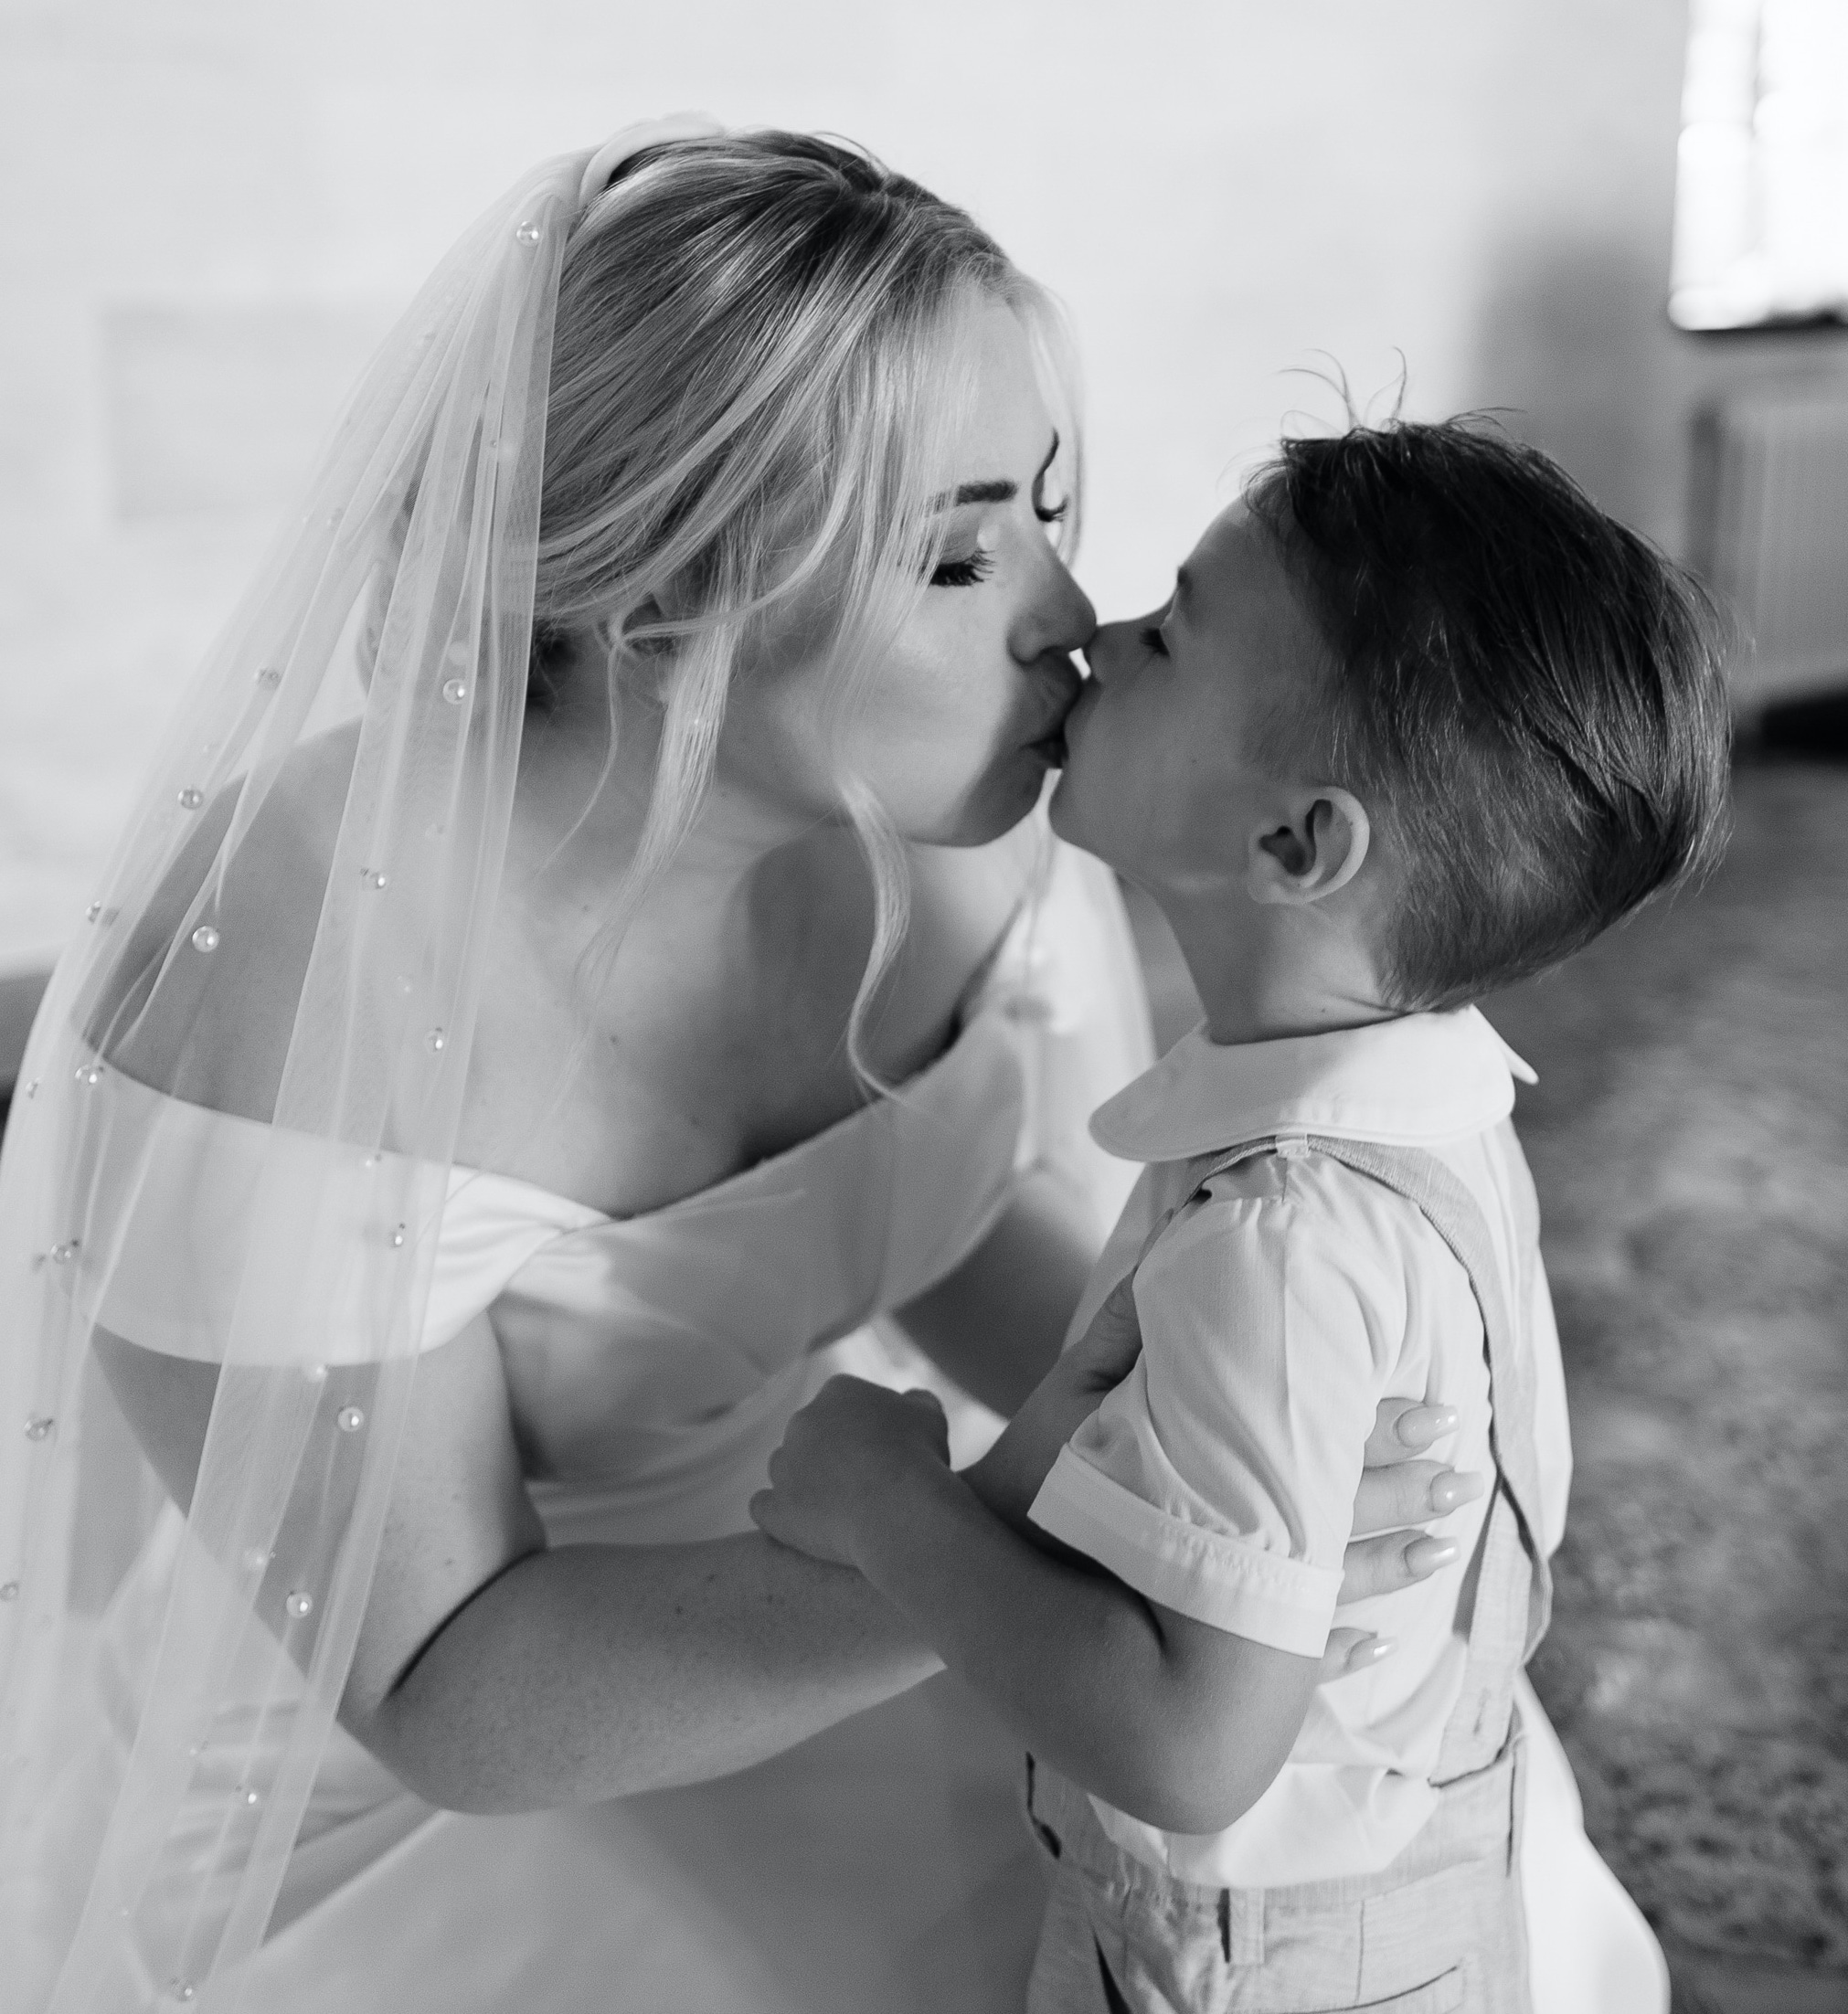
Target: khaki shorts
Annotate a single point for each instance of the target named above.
(1439, 1931)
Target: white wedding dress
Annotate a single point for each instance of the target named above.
(881, 1867)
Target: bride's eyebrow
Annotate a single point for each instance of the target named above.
(1001, 489)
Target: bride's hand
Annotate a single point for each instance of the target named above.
(1400, 1488)
(1399, 1491)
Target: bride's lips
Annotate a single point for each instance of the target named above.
(1049, 743)
(1082, 706)
(1073, 718)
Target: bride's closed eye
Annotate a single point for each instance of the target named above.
(963, 573)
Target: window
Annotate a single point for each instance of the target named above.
(1761, 184)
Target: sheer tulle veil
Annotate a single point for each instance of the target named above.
(400, 602)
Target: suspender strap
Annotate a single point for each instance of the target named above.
(1508, 1588)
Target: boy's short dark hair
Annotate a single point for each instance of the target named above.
(1529, 699)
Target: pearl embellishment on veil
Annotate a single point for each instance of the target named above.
(469, 366)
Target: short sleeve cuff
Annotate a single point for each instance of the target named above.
(1217, 1580)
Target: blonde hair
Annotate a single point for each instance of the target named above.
(756, 368)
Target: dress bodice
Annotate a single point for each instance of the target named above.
(634, 1345)
(650, 1356)
(652, 1360)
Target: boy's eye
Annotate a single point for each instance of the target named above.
(1152, 639)
(1053, 514)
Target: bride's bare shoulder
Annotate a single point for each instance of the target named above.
(213, 1026)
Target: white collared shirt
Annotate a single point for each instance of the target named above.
(1278, 1309)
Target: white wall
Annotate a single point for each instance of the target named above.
(212, 207)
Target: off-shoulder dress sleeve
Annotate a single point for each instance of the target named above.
(177, 1232)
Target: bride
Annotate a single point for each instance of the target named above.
(588, 941)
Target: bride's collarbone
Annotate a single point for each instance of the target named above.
(708, 1058)
(666, 1093)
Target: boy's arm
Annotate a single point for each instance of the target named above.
(1169, 1668)
(1131, 1699)
(1399, 1491)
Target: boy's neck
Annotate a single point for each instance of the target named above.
(1286, 972)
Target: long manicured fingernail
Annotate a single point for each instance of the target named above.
(1455, 1486)
(1419, 1425)
(1426, 1555)
(1373, 1650)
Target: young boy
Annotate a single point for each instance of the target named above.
(1418, 721)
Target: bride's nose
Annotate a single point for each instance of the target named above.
(1058, 618)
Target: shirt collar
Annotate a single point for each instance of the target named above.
(1408, 1081)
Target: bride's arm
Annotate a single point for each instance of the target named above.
(996, 1323)
(495, 1675)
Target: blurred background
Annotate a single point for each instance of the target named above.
(214, 209)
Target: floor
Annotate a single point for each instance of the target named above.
(1689, 1137)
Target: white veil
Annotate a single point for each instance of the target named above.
(412, 567)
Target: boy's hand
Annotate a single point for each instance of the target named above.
(846, 1445)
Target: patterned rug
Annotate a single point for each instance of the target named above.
(1689, 1137)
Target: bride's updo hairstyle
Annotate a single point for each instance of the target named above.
(758, 359)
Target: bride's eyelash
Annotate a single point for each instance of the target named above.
(963, 573)
(1053, 514)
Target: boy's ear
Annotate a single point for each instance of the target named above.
(1315, 848)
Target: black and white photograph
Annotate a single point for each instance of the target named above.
(923, 1085)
